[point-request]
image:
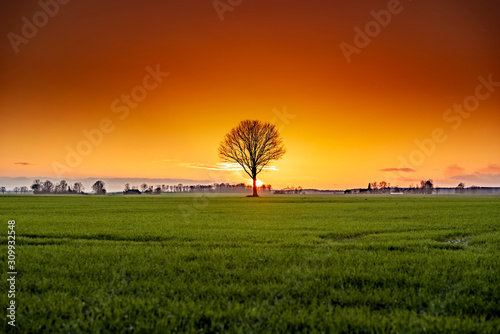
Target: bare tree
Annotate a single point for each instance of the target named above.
(144, 187)
(127, 187)
(62, 186)
(426, 186)
(24, 189)
(47, 187)
(252, 144)
(3, 190)
(78, 187)
(36, 186)
(98, 188)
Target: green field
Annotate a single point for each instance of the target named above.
(106, 264)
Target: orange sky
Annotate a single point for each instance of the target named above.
(351, 119)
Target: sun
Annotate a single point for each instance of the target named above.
(259, 183)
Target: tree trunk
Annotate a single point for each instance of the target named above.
(255, 187)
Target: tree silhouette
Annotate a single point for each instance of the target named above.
(62, 186)
(427, 186)
(36, 186)
(78, 187)
(252, 144)
(3, 190)
(47, 187)
(144, 187)
(98, 188)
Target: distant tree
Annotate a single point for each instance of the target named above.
(460, 188)
(253, 145)
(78, 187)
(47, 187)
(98, 188)
(127, 187)
(62, 186)
(36, 186)
(144, 187)
(16, 189)
(24, 190)
(158, 190)
(426, 186)
(3, 190)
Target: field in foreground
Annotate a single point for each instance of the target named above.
(276, 264)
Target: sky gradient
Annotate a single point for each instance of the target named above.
(164, 81)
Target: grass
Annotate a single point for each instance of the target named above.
(236, 264)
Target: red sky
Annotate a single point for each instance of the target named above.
(345, 120)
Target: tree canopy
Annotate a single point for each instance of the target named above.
(253, 145)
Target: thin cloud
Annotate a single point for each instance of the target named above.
(489, 180)
(221, 166)
(24, 163)
(397, 170)
(453, 170)
(491, 168)
(486, 176)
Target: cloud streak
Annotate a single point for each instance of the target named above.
(485, 176)
(453, 170)
(491, 168)
(221, 166)
(24, 163)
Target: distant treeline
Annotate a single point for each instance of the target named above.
(63, 187)
(425, 187)
(199, 188)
